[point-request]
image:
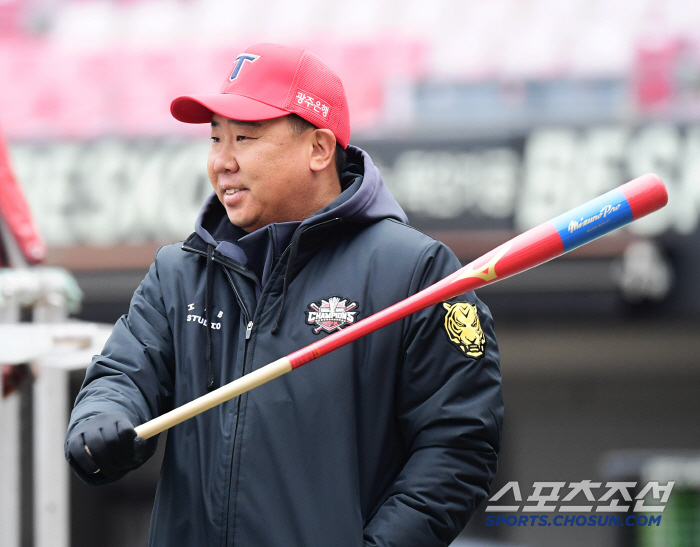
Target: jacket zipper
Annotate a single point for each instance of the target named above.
(248, 331)
(240, 301)
(288, 247)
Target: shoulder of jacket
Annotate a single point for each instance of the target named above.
(405, 235)
(170, 253)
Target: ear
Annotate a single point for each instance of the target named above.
(323, 150)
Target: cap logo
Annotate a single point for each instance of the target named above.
(240, 61)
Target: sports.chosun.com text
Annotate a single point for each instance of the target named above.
(573, 520)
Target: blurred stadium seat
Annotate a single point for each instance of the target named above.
(89, 68)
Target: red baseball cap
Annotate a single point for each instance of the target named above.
(269, 81)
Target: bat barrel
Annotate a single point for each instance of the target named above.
(610, 211)
(645, 195)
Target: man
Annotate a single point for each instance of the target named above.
(389, 441)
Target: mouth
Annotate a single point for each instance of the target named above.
(233, 195)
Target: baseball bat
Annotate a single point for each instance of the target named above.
(542, 243)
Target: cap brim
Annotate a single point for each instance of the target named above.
(199, 108)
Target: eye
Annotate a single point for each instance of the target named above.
(214, 139)
(241, 137)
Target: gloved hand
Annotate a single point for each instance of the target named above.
(104, 448)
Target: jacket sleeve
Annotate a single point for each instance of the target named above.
(450, 411)
(134, 373)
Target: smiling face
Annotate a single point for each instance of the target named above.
(263, 172)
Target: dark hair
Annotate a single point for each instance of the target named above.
(300, 125)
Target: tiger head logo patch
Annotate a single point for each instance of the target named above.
(463, 328)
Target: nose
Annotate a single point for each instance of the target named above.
(225, 160)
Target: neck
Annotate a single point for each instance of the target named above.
(328, 188)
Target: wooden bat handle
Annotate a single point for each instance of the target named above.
(213, 398)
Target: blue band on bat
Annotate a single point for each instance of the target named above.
(593, 219)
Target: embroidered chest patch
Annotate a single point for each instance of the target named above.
(331, 314)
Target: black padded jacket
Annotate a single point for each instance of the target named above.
(389, 441)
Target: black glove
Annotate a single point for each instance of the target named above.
(104, 448)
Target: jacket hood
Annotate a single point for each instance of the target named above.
(365, 199)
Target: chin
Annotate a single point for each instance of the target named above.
(242, 223)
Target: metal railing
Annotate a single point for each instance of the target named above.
(50, 346)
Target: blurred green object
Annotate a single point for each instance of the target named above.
(680, 523)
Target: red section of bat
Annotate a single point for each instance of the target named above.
(645, 195)
(536, 246)
(15, 212)
(533, 247)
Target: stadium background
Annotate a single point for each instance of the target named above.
(486, 118)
